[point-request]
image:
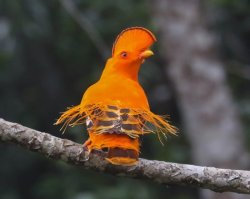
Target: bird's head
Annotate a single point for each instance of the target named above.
(130, 49)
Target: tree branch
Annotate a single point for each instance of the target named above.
(219, 180)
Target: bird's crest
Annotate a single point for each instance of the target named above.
(133, 38)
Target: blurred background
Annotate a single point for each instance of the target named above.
(52, 50)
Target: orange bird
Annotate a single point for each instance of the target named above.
(115, 108)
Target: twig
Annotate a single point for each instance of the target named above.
(241, 70)
(219, 180)
(87, 26)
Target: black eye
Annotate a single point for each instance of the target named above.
(124, 54)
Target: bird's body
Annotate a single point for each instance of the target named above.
(116, 90)
(116, 108)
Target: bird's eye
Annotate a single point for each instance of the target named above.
(124, 54)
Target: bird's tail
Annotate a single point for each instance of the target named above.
(119, 149)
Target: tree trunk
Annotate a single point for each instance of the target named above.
(210, 117)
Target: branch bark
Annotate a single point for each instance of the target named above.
(219, 180)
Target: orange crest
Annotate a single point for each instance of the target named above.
(133, 38)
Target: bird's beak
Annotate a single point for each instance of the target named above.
(145, 54)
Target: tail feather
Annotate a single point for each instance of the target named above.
(119, 156)
(120, 149)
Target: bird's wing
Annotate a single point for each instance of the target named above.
(113, 119)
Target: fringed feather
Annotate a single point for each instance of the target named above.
(113, 119)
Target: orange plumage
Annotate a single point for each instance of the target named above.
(115, 109)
